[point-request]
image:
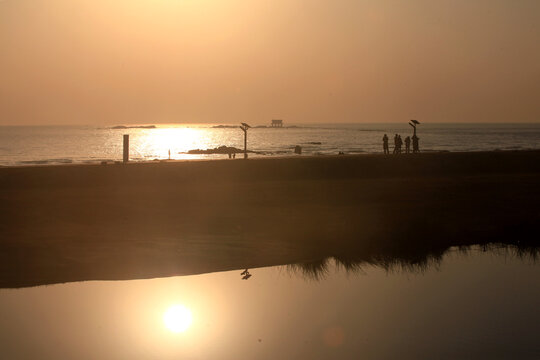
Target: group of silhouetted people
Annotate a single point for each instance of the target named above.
(398, 143)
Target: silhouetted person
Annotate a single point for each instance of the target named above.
(385, 144)
(397, 146)
(415, 146)
(407, 144)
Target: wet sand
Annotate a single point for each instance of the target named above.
(106, 222)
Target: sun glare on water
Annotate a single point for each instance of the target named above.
(177, 318)
(156, 143)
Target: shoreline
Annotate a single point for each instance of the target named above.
(155, 219)
(254, 155)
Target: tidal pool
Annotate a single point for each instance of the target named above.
(474, 305)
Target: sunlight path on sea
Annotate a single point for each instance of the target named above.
(49, 145)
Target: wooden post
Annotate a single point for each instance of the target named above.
(245, 144)
(126, 148)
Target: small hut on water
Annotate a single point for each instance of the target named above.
(277, 123)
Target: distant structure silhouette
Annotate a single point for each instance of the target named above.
(277, 123)
(385, 144)
(245, 128)
(407, 145)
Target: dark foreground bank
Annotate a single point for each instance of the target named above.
(73, 223)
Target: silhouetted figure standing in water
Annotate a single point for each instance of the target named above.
(385, 144)
(415, 146)
(407, 144)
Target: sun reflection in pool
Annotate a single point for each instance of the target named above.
(177, 318)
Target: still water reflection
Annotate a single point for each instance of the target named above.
(475, 305)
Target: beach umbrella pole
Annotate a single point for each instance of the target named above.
(126, 148)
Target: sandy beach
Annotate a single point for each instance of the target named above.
(143, 220)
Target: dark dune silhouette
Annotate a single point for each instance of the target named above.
(225, 127)
(118, 127)
(93, 222)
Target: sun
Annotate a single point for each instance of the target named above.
(177, 318)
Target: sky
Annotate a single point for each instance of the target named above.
(78, 62)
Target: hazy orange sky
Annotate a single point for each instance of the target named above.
(225, 61)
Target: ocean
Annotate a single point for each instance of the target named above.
(52, 145)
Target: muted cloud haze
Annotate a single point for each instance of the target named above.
(200, 61)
